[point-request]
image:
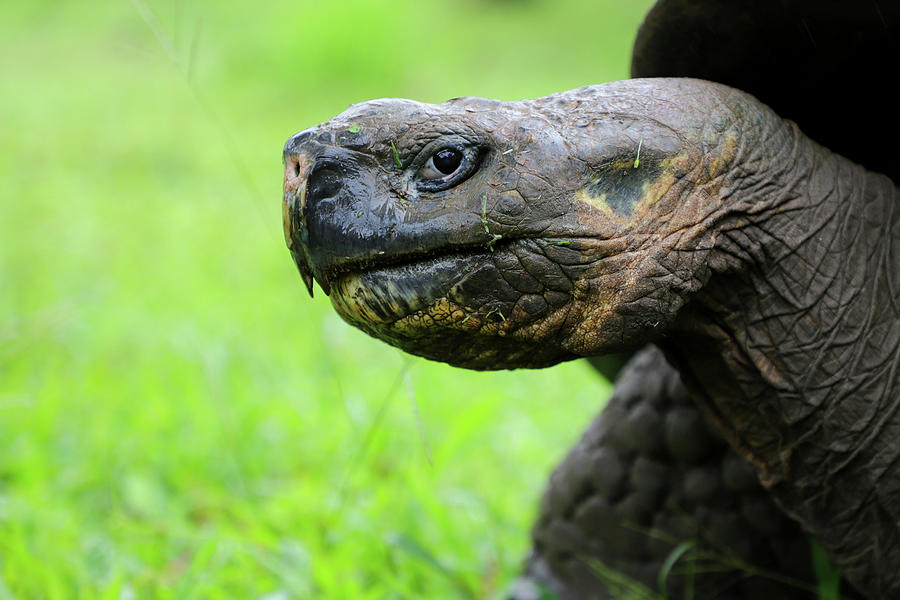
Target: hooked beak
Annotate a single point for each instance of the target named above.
(296, 170)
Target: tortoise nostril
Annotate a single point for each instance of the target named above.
(296, 166)
(291, 167)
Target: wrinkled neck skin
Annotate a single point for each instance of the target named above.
(792, 346)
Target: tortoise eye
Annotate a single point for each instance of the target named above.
(446, 168)
(447, 160)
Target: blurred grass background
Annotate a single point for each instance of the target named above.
(177, 418)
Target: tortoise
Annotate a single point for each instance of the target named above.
(732, 210)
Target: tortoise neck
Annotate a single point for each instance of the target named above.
(793, 345)
(802, 304)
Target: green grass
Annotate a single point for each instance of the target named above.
(177, 418)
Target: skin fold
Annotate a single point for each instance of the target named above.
(595, 221)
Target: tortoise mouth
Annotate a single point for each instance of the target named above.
(417, 259)
(511, 282)
(382, 292)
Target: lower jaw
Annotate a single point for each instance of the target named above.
(381, 297)
(454, 308)
(416, 309)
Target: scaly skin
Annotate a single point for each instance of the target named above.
(597, 220)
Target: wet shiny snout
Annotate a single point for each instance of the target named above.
(298, 162)
(309, 179)
(318, 177)
(332, 213)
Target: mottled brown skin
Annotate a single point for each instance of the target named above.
(765, 267)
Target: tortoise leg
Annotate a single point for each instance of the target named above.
(650, 481)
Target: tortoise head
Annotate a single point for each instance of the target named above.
(493, 234)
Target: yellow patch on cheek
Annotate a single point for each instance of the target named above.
(651, 192)
(598, 202)
(625, 194)
(723, 156)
